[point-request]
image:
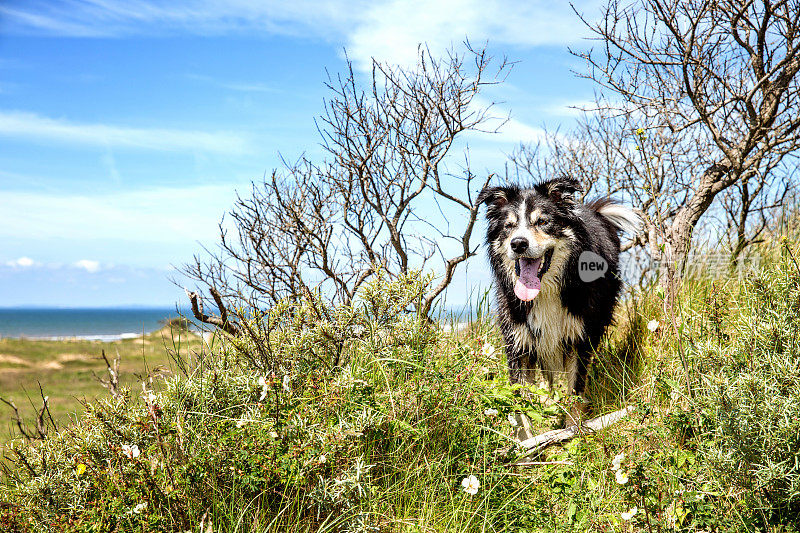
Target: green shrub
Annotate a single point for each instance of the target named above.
(750, 395)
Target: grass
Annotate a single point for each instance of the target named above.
(66, 371)
(367, 418)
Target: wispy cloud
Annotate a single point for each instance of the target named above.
(88, 265)
(154, 215)
(119, 18)
(392, 30)
(22, 262)
(388, 30)
(22, 125)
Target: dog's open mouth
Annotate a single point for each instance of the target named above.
(529, 275)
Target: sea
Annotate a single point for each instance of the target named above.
(104, 324)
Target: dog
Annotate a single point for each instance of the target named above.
(555, 265)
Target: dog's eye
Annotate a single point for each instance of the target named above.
(509, 225)
(542, 222)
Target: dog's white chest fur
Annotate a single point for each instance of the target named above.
(551, 324)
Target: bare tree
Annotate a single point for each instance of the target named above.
(712, 89)
(388, 195)
(751, 205)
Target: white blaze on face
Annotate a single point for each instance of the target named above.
(521, 230)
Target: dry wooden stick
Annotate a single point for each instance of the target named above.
(542, 441)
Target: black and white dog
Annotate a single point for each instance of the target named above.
(555, 263)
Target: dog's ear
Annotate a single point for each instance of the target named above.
(561, 190)
(496, 196)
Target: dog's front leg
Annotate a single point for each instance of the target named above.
(577, 365)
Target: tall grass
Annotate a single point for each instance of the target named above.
(368, 417)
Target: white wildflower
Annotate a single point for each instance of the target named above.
(264, 384)
(131, 451)
(512, 420)
(617, 461)
(241, 422)
(148, 395)
(621, 476)
(287, 380)
(491, 412)
(323, 459)
(471, 485)
(653, 325)
(630, 514)
(488, 351)
(140, 507)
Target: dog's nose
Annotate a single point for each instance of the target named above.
(519, 244)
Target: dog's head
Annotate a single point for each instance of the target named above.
(527, 226)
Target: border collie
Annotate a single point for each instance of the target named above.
(555, 263)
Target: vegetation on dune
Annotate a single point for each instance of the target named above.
(367, 417)
(68, 370)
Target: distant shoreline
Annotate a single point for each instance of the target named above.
(77, 338)
(103, 324)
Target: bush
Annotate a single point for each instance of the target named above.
(354, 418)
(751, 393)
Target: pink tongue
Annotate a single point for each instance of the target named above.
(528, 285)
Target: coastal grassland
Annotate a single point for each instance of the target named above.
(369, 418)
(66, 370)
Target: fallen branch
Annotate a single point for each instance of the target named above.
(542, 441)
(541, 463)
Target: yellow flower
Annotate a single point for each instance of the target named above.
(639, 131)
(80, 469)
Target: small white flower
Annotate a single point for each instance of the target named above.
(653, 325)
(471, 485)
(323, 459)
(287, 379)
(512, 421)
(264, 384)
(241, 422)
(140, 507)
(617, 461)
(621, 476)
(630, 514)
(488, 351)
(491, 412)
(131, 451)
(149, 396)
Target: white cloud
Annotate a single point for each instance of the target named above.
(88, 265)
(22, 262)
(392, 30)
(18, 124)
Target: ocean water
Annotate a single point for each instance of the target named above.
(98, 324)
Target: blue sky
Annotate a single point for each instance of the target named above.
(126, 127)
